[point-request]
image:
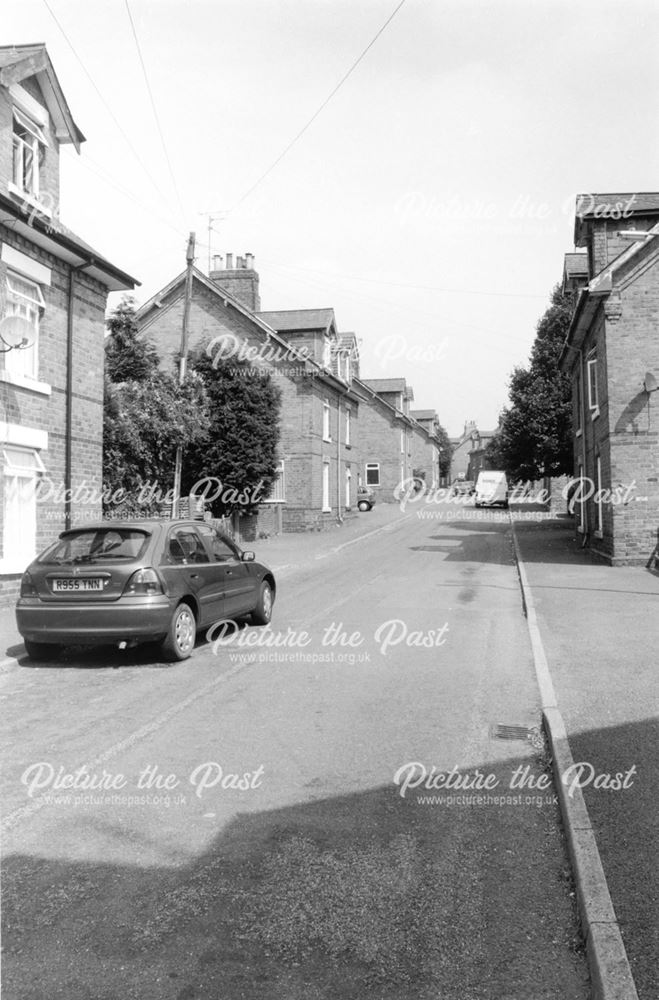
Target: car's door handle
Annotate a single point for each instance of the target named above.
(229, 572)
(194, 576)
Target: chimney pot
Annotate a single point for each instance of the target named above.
(229, 262)
(217, 262)
(249, 260)
(240, 263)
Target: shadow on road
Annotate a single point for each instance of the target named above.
(365, 896)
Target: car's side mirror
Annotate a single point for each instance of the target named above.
(248, 557)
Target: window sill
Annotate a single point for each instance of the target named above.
(581, 529)
(578, 433)
(29, 199)
(598, 534)
(24, 382)
(327, 440)
(594, 414)
(10, 567)
(326, 510)
(273, 500)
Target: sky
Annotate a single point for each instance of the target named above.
(429, 203)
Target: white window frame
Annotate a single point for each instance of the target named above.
(578, 395)
(348, 417)
(21, 469)
(581, 527)
(326, 507)
(33, 146)
(370, 467)
(327, 413)
(593, 387)
(278, 491)
(348, 496)
(599, 532)
(24, 299)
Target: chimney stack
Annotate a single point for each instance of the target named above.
(240, 282)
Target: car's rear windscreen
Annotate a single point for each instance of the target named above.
(97, 545)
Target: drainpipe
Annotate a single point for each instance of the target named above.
(583, 441)
(68, 429)
(338, 460)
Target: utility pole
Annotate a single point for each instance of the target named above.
(183, 360)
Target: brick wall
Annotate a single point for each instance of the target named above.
(625, 434)
(380, 442)
(40, 410)
(633, 349)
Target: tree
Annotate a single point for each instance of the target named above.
(236, 455)
(445, 450)
(534, 438)
(127, 356)
(147, 415)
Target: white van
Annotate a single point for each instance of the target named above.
(491, 489)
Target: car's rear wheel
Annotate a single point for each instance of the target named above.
(179, 641)
(262, 613)
(364, 505)
(41, 650)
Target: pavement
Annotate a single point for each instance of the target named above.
(597, 629)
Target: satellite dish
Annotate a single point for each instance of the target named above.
(650, 382)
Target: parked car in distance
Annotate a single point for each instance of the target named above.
(139, 581)
(365, 498)
(463, 487)
(491, 489)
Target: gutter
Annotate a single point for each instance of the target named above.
(33, 224)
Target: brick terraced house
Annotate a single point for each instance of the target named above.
(311, 364)
(612, 355)
(394, 445)
(53, 295)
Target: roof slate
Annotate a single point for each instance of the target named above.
(298, 319)
(385, 384)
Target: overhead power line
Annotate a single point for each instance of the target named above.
(405, 284)
(155, 112)
(105, 103)
(318, 110)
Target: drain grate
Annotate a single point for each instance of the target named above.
(500, 731)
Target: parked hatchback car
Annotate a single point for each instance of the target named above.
(139, 581)
(365, 498)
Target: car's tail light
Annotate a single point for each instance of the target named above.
(28, 588)
(144, 581)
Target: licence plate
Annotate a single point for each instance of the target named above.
(69, 584)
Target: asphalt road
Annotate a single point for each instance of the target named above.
(253, 823)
